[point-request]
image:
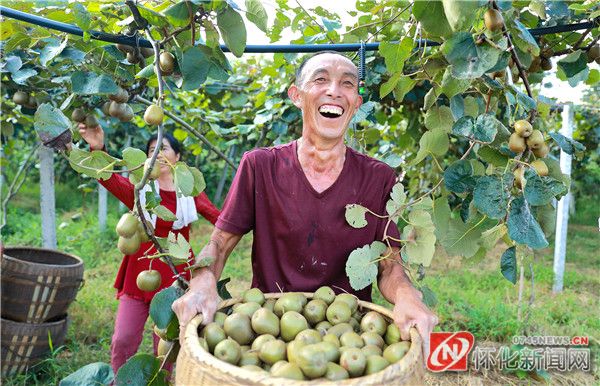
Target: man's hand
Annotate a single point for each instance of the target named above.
(94, 136)
(201, 297)
(409, 311)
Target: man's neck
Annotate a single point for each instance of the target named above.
(319, 157)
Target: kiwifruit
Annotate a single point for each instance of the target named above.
(354, 361)
(314, 311)
(213, 333)
(309, 336)
(371, 349)
(373, 322)
(245, 348)
(291, 301)
(272, 351)
(228, 350)
(121, 96)
(339, 329)
(516, 143)
(252, 368)
(355, 324)
(371, 337)
(125, 48)
(542, 151)
(331, 350)
(375, 363)
(126, 114)
(287, 370)
(106, 108)
(153, 115)
(291, 324)
(338, 312)
(146, 51)
(155, 172)
(202, 343)
(148, 280)
(143, 236)
(254, 295)
(168, 349)
(536, 64)
(493, 20)
(132, 57)
(78, 115)
(332, 338)
(220, 318)
(351, 339)
(523, 128)
(160, 332)
(292, 349)
(248, 308)
(323, 326)
(116, 109)
(336, 372)
(127, 225)
(546, 64)
(350, 300)
(519, 174)
(535, 140)
(249, 358)
(325, 293)
(265, 321)
(237, 326)
(593, 53)
(540, 167)
(269, 304)
(91, 121)
(260, 340)
(392, 334)
(166, 62)
(312, 361)
(394, 352)
(129, 245)
(21, 97)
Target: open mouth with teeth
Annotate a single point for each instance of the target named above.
(331, 111)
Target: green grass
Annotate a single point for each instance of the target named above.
(471, 296)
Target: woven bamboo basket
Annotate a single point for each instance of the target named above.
(196, 366)
(38, 284)
(25, 344)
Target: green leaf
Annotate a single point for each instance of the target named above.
(439, 117)
(432, 17)
(431, 97)
(153, 17)
(463, 239)
(179, 249)
(541, 190)
(492, 156)
(178, 15)
(184, 179)
(397, 199)
(89, 83)
(355, 215)
(133, 158)
(222, 288)
(458, 177)
(83, 19)
(420, 245)
(441, 217)
(593, 77)
(524, 39)
(469, 60)
(404, 85)
(574, 67)
(522, 227)
(232, 30)
(164, 213)
(52, 50)
(452, 86)
(49, 122)
(432, 142)
(491, 195)
(199, 183)
(255, 12)
(508, 265)
(160, 307)
(490, 237)
(152, 199)
(482, 129)
(388, 86)
(546, 217)
(568, 145)
(429, 297)
(21, 76)
(194, 65)
(360, 266)
(395, 54)
(90, 163)
(98, 373)
(460, 14)
(141, 369)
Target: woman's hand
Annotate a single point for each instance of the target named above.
(94, 136)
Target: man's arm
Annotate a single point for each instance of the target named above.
(202, 296)
(409, 309)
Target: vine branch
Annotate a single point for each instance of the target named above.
(14, 185)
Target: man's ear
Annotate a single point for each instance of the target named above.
(294, 94)
(359, 101)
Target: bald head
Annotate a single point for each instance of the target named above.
(301, 73)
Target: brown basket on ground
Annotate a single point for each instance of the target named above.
(25, 344)
(195, 366)
(38, 284)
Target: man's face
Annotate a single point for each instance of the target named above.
(327, 95)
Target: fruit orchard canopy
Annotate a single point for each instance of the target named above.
(268, 48)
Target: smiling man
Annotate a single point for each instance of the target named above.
(293, 198)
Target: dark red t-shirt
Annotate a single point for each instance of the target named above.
(301, 238)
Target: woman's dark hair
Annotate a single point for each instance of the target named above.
(175, 144)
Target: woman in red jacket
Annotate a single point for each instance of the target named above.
(134, 303)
